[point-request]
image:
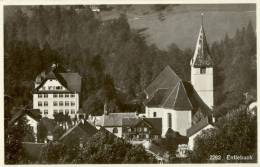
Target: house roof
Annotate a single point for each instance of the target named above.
(34, 113)
(115, 119)
(165, 80)
(200, 125)
(86, 130)
(155, 123)
(157, 150)
(202, 57)
(71, 81)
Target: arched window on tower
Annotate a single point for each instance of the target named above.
(169, 116)
(115, 130)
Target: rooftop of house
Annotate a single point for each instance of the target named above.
(81, 129)
(70, 80)
(115, 119)
(200, 125)
(33, 113)
(154, 123)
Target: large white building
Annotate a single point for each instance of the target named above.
(57, 92)
(182, 104)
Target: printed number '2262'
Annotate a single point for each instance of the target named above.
(214, 157)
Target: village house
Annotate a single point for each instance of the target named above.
(57, 92)
(78, 133)
(32, 115)
(112, 122)
(141, 128)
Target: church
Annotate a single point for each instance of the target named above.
(184, 106)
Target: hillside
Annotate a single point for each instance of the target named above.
(183, 22)
(100, 48)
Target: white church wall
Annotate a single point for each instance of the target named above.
(181, 120)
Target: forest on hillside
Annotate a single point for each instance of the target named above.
(114, 60)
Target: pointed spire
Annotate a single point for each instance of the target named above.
(202, 56)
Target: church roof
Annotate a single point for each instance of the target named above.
(175, 98)
(202, 57)
(176, 94)
(165, 80)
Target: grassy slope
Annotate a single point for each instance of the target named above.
(181, 23)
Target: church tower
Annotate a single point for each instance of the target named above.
(202, 69)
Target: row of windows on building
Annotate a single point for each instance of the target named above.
(52, 88)
(67, 111)
(56, 103)
(55, 95)
(139, 129)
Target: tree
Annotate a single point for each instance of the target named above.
(52, 153)
(235, 134)
(107, 148)
(14, 152)
(137, 154)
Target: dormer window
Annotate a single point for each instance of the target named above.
(203, 70)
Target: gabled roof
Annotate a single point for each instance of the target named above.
(154, 123)
(115, 119)
(50, 75)
(35, 114)
(175, 98)
(174, 94)
(202, 57)
(200, 125)
(85, 130)
(166, 79)
(71, 81)
(159, 97)
(178, 98)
